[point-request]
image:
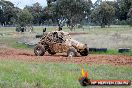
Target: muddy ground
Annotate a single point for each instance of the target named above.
(28, 56)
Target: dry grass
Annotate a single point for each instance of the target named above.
(114, 37)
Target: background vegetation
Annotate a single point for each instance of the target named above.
(70, 12)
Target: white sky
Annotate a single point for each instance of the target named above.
(22, 3)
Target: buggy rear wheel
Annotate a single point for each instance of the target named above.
(50, 52)
(39, 50)
(84, 52)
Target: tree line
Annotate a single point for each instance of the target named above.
(70, 12)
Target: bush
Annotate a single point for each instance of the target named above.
(129, 21)
(123, 22)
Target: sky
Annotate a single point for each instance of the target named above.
(22, 3)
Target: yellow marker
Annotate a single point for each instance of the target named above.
(82, 72)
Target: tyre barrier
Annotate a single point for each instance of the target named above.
(102, 50)
(38, 36)
(92, 49)
(98, 49)
(122, 50)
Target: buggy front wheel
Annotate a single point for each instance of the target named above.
(39, 50)
(84, 52)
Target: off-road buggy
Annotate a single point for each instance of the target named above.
(60, 42)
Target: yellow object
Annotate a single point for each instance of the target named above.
(84, 74)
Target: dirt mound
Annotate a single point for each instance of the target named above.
(17, 54)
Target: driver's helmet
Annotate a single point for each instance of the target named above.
(61, 34)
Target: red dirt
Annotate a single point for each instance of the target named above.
(16, 54)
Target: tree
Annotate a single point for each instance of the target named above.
(125, 11)
(74, 11)
(130, 16)
(36, 11)
(124, 7)
(7, 12)
(49, 13)
(1, 15)
(24, 18)
(115, 5)
(17, 11)
(103, 14)
(49, 2)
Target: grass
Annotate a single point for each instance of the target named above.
(21, 46)
(113, 38)
(12, 42)
(21, 74)
(113, 52)
(18, 74)
(110, 51)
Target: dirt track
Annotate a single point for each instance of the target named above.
(8, 53)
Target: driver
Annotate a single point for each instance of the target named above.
(59, 35)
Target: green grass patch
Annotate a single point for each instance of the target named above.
(12, 42)
(110, 51)
(18, 74)
(113, 52)
(20, 46)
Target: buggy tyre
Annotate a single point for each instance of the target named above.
(39, 50)
(84, 52)
(50, 52)
(72, 52)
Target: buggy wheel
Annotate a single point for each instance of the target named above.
(39, 50)
(50, 52)
(84, 52)
(72, 52)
